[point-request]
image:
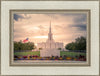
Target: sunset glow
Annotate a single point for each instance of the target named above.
(41, 37)
(65, 27)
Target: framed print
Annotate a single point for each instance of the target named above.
(40, 51)
(50, 38)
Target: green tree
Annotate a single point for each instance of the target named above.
(23, 46)
(79, 44)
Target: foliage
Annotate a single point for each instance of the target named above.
(23, 46)
(79, 44)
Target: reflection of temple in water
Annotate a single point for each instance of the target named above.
(50, 47)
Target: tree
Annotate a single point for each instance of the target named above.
(79, 44)
(23, 46)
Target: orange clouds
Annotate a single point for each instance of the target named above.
(65, 27)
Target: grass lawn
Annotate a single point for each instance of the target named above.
(27, 53)
(70, 54)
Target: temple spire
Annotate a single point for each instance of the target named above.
(50, 33)
(50, 28)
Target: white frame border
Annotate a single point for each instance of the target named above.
(8, 70)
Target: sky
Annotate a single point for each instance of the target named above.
(66, 27)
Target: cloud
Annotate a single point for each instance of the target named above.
(21, 16)
(65, 27)
(81, 19)
(52, 16)
(17, 16)
(77, 17)
(81, 27)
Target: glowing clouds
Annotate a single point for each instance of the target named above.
(65, 27)
(41, 37)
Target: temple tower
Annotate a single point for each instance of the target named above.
(50, 47)
(50, 37)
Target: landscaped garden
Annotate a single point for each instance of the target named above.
(64, 55)
(77, 51)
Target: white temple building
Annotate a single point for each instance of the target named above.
(50, 47)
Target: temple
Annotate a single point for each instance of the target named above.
(50, 47)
